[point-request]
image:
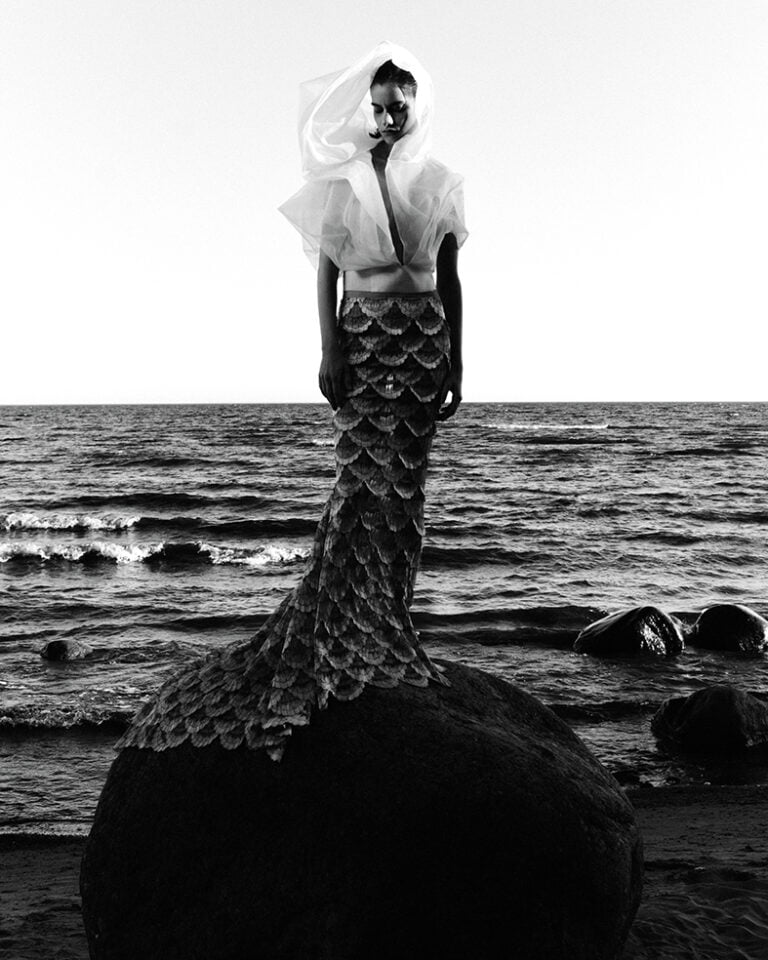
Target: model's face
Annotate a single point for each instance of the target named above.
(393, 111)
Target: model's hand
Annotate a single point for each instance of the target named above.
(452, 385)
(335, 377)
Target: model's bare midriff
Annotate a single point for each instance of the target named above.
(394, 279)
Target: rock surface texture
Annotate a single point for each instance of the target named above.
(446, 822)
(731, 626)
(641, 631)
(718, 719)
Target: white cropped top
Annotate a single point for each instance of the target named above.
(340, 210)
(347, 220)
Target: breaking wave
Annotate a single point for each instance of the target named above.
(196, 552)
(65, 521)
(29, 717)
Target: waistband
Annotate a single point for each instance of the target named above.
(387, 295)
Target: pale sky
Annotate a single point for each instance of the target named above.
(615, 156)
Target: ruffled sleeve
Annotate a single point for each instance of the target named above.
(345, 217)
(318, 213)
(452, 214)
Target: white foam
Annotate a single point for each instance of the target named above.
(64, 717)
(120, 553)
(65, 521)
(260, 557)
(273, 554)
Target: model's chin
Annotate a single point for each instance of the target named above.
(393, 136)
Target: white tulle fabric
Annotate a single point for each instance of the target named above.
(340, 210)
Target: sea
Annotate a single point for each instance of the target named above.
(153, 533)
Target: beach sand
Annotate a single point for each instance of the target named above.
(706, 882)
(706, 874)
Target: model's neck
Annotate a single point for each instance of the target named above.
(382, 151)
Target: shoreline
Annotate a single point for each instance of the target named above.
(705, 885)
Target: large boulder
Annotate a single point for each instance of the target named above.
(66, 650)
(438, 823)
(719, 719)
(731, 626)
(641, 631)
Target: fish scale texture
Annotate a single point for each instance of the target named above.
(347, 622)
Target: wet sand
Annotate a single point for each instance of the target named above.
(706, 874)
(706, 882)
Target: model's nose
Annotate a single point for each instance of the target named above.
(388, 120)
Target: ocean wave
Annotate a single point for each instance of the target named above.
(211, 622)
(285, 526)
(549, 441)
(84, 553)
(24, 828)
(31, 718)
(21, 521)
(605, 711)
(505, 425)
(505, 626)
(669, 537)
(190, 552)
(434, 556)
(65, 521)
(544, 615)
(607, 510)
(149, 500)
(717, 450)
(109, 458)
(206, 553)
(164, 462)
(731, 516)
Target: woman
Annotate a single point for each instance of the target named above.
(377, 208)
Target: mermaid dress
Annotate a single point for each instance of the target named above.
(347, 623)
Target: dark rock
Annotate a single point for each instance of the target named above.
(731, 626)
(718, 719)
(641, 631)
(66, 650)
(626, 776)
(440, 823)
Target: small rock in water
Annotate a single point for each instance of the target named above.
(66, 650)
(720, 719)
(641, 631)
(733, 627)
(440, 823)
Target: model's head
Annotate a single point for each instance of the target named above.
(393, 95)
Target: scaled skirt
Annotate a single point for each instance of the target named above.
(347, 622)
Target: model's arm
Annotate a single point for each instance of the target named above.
(449, 291)
(335, 375)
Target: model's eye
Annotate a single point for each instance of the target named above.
(398, 107)
(377, 109)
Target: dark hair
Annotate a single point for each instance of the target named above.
(389, 72)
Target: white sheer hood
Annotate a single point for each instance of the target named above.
(336, 118)
(340, 209)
